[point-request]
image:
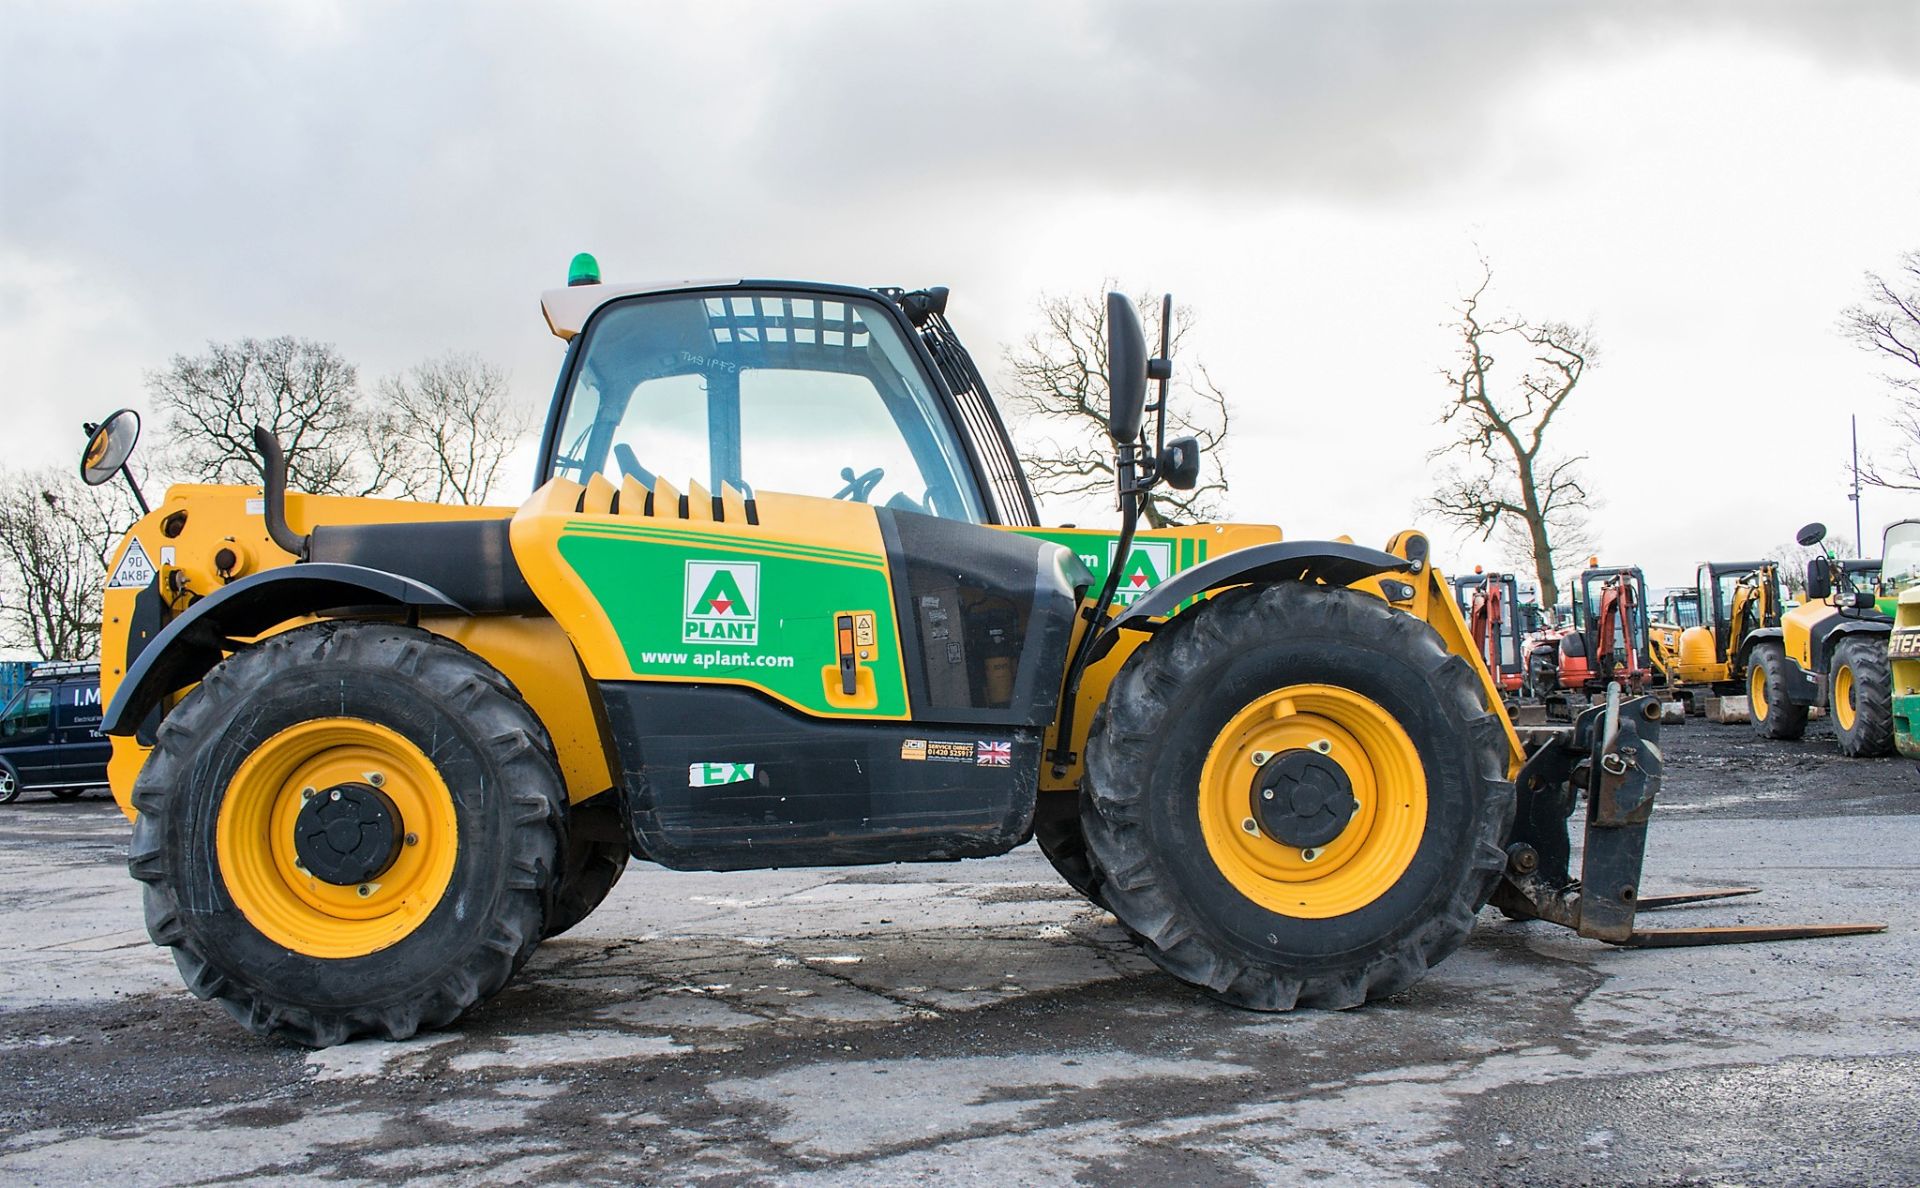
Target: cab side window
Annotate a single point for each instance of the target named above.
(28, 715)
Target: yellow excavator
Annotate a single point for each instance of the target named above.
(1732, 601)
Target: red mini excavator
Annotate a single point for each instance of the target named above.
(1609, 637)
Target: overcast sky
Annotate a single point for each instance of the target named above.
(1705, 183)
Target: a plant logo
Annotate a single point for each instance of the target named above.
(1149, 565)
(723, 603)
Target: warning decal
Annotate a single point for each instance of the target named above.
(135, 569)
(712, 775)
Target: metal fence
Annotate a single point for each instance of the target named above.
(13, 674)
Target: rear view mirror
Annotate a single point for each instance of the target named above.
(1126, 370)
(1819, 579)
(1863, 600)
(109, 447)
(1811, 535)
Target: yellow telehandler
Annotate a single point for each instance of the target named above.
(781, 599)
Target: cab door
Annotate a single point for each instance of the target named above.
(26, 736)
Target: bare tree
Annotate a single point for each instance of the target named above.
(56, 534)
(449, 425)
(1887, 324)
(1509, 481)
(440, 431)
(304, 391)
(1060, 377)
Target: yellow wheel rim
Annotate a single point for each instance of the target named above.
(1379, 841)
(1757, 691)
(1843, 711)
(254, 838)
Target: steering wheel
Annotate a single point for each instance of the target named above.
(857, 489)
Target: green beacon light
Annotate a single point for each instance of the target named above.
(585, 270)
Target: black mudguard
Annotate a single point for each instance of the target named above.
(187, 648)
(1326, 561)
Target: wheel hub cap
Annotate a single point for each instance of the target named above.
(1303, 798)
(347, 834)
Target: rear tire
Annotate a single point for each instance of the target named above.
(68, 793)
(1293, 667)
(1767, 705)
(1861, 677)
(468, 777)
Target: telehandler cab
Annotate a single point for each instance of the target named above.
(780, 599)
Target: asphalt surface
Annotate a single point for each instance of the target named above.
(977, 1023)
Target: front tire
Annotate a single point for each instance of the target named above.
(1392, 798)
(9, 783)
(1773, 716)
(594, 859)
(315, 929)
(1860, 690)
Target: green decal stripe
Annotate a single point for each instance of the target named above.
(777, 633)
(692, 539)
(705, 540)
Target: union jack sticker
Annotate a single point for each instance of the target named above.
(993, 754)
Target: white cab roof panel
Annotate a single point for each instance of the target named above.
(568, 309)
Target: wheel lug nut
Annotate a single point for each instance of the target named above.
(413, 839)
(1260, 758)
(306, 793)
(1321, 745)
(1266, 794)
(365, 890)
(1309, 854)
(376, 779)
(1251, 826)
(334, 795)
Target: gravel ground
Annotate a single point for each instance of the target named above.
(977, 1023)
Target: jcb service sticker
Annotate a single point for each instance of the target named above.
(934, 750)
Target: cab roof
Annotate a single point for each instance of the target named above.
(568, 309)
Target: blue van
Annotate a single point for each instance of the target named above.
(50, 733)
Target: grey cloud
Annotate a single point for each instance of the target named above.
(1348, 99)
(329, 149)
(237, 168)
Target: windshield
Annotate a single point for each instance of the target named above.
(766, 392)
(1726, 584)
(1900, 560)
(1596, 592)
(30, 712)
(1683, 610)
